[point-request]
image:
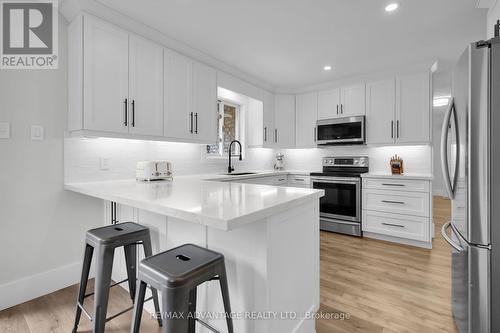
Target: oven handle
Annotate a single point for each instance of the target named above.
(346, 180)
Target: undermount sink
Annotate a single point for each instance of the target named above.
(240, 173)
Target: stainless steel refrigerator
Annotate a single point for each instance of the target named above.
(470, 156)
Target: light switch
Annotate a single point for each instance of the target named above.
(4, 131)
(36, 132)
(104, 161)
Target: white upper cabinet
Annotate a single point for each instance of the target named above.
(398, 110)
(105, 77)
(255, 123)
(145, 87)
(284, 121)
(413, 108)
(178, 95)
(352, 101)
(329, 104)
(204, 103)
(306, 116)
(348, 101)
(267, 131)
(380, 108)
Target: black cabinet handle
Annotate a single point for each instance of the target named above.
(337, 109)
(341, 108)
(191, 122)
(394, 225)
(392, 129)
(126, 112)
(265, 133)
(196, 123)
(315, 137)
(133, 113)
(394, 202)
(397, 129)
(276, 135)
(386, 184)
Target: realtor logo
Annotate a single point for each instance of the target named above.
(29, 34)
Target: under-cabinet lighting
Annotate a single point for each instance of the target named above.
(391, 7)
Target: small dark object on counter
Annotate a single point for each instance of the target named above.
(396, 165)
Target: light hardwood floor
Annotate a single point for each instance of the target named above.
(383, 287)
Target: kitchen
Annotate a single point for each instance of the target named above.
(313, 167)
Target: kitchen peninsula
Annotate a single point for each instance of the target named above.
(268, 234)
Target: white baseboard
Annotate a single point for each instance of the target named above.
(28, 288)
(425, 245)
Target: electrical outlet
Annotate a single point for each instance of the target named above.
(4, 131)
(37, 133)
(104, 163)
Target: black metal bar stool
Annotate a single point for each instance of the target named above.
(176, 273)
(104, 240)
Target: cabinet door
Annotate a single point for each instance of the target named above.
(105, 87)
(284, 121)
(205, 103)
(306, 115)
(380, 110)
(255, 123)
(268, 130)
(178, 95)
(352, 101)
(413, 108)
(145, 87)
(328, 104)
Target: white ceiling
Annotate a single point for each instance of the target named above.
(286, 43)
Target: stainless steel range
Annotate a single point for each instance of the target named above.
(340, 208)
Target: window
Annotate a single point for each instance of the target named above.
(228, 124)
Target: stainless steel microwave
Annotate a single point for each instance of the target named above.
(348, 130)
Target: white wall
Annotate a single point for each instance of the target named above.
(417, 159)
(42, 225)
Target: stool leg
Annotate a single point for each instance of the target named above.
(139, 304)
(87, 260)
(104, 266)
(175, 304)
(192, 311)
(225, 297)
(148, 252)
(131, 261)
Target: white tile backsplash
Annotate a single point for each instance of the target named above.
(82, 158)
(83, 155)
(417, 159)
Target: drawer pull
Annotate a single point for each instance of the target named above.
(299, 179)
(394, 202)
(386, 184)
(393, 225)
(281, 180)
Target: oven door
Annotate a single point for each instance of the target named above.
(342, 198)
(349, 130)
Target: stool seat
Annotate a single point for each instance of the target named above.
(176, 274)
(116, 235)
(180, 266)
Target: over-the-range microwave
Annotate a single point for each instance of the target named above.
(347, 130)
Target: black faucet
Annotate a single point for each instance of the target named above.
(230, 168)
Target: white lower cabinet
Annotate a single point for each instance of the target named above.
(397, 225)
(397, 209)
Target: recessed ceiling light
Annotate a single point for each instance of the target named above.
(327, 68)
(391, 7)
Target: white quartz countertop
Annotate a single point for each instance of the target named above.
(204, 199)
(409, 176)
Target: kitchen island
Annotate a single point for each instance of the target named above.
(269, 236)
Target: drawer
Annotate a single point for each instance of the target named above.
(397, 184)
(280, 180)
(409, 203)
(410, 227)
(299, 180)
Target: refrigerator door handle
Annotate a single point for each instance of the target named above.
(450, 187)
(447, 238)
